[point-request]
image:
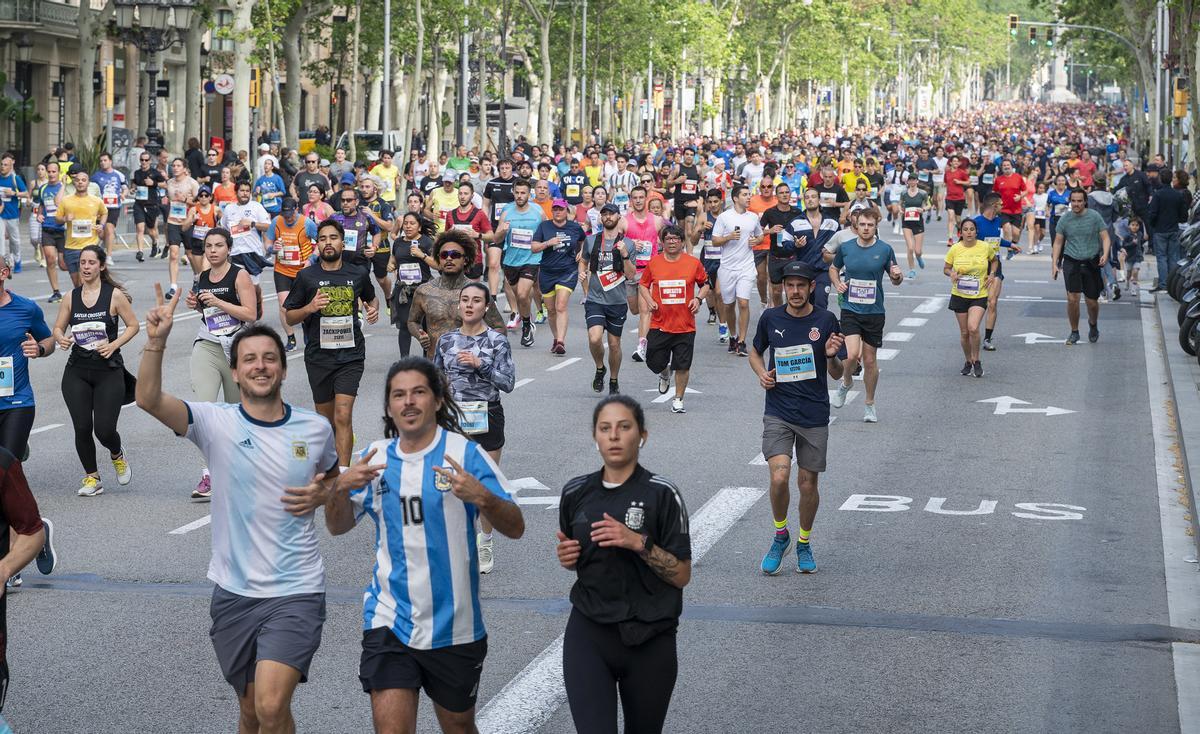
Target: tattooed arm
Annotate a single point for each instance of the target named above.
(612, 533)
(667, 567)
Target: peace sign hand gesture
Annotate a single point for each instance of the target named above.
(464, 485)
(160, 318)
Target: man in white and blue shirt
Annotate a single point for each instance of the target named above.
(422, 618)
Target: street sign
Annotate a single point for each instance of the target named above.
(223, 84)
(1004, 406)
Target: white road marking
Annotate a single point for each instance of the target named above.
(564, 363)
(530, 699)
(522, 382)
(194, 525)
(670, 394)
(1004, 406)
(932, 305)
(519, 485)
(898, 336)
(1032, 282)
(1032, 337)
(913, 321)
(43, 429)
(886, 354)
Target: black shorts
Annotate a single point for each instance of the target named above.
(283, 282)
(775, 266)
(1013, 219)
(612, 318)
(1082, 276)
(1000, 267)
(379, 263)
(493, 439)
(448, 675)
(760, 256)
(956, 206)
(710, 271)
(475, 271)
(56, 238)
(514, 273)
(917, 227)
(328, 381)
(665, 349)
(145, 213)
(869, 326)
(174, 234)
(114, 215)
(959, 304)
(195, 246)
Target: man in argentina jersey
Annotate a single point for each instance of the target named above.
(268, 605)
(422, 619)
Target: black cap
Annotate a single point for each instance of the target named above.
(288, 204)
(797, 269)
(610, 209)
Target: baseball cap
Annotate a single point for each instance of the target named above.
(287, 205)
(559, 204)
(324, 163)
(264, 147)
(610, 209)
(449, 175)
(204, 189)
(348, 178)
(797, 269)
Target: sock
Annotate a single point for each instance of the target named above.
(987, 333)
(781, 527)
(487, 537)
(802, 535)
(174, 286)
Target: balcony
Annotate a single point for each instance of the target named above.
(35, 14)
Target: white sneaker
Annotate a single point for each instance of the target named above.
(677, 406)
(664, 381)
(869, 415)
(839, 398)
(1120, 276)
(896, 228)
(514, 323)
(90, 487)
(486, 559)
(124, 472)
(639, 354)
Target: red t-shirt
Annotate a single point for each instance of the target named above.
(474, 219)
(1011, 189)
(1086, 170)
(672, 286)
(955, 181)
(19, 514)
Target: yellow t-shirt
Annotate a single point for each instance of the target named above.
(80, 213)
(443, 202)
(593, 174)
(388, 175)
(850, 182)
(971, 264)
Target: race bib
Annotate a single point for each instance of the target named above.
(475, 417)
(522, 238)
(50, 206)
(988, 178)
(218, 322)
(7, 378)
(828, 199)
(6, 194)
(350, 241)
(238, 228)
(873, 194)
(143, 193)
(81, 228)
(642, 250)
(688, 187)
(1060, 209)
(861, 292)
(923, 175)
(973, 180)
(572, 191)
(967, 285)
(409, 273)
(464, 228)
(610, 279)
(912, 214)
(337, 332)
(112, 201)
(794, 364)
(671, 292)
(993, 243)
(289, 255)
(90, 335)
(1039, 213)
(712, 253)
(561, 241)
(199, 232)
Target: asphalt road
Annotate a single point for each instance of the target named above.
(980, 570)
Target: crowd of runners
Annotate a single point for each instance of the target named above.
(460, 253)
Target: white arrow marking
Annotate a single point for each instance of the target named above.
(886, 354)
(1032, 337)
(550, 501)
(519, 485)
(45, 428)
(1005, 403)
(670, 394)
(523, 382)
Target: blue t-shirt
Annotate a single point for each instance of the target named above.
(45, 197)
(561, 257)
(863, 269)
(272, 184)
(21, 315)
(9, 186)
(797, 354)
(522, 226)
(1054, 200)
(990, 231)
(110, 183)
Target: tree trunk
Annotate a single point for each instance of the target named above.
(545, 121)
(414, 81)
(241, 72)
(90, 23)
(571, 94)
(193, 95)
(535, 92)
(353, 114)
(374, 104)
(437, 100)
(293, 63)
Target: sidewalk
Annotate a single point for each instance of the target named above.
(1183, 373)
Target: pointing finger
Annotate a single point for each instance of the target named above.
(158, 294)
(365, 458)
(454, 464)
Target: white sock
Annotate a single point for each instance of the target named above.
(487, 537)
(174, 286)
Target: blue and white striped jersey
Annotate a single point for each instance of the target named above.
(259, 549)
(425, 585)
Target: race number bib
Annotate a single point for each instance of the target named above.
(6, 194)
(861, 292)
(671, 292)
(409, 273)
(218, 322)
(794, 364)
(912, 214)
(968, 286)
(464, 228)
(50, 207)
(289, 254)
(688, 187)
(7, 378)
(522, 238)
(1039, 213)
(238, 229)
(828, 199)
(572, 191)
(710, 252)
(642, 250)
(1060, 209)
(143, 193)
(610, 279)
(90, 335)
(475, 417)
(923, 175)
(337, 332)
(112, 201)
(199, 232)
(350, 241)
(987, 179)
(178, 210)
(972, 180)
(81, 228)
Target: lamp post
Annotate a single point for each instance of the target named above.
(25, 80)
(153, 26)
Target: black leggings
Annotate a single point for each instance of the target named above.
(400, 317)
(15, 424)
(596, 665)
(94, 398)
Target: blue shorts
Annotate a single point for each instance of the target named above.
(72, 259)
(550, 282)
(612, 318)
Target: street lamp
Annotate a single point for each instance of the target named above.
(153, 26)
(25, 79)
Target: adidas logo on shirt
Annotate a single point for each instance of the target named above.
(246, 443)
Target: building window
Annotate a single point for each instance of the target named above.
(224, 20)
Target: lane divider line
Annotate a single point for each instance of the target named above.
(564, 363)
(193, 525)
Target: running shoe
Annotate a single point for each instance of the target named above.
(162, 254)
(977, 368)
(912, 275)
(1073, 339)
(14, 582)
(388, 311)
(90, 487)
(722, 333)
(613, 388)
(541, 316)
(47, 558)
(526, 334)
(741, 351)
(677, 406)
(639, 354)
(804, 556)
(664, 381)
(1116, 292)
(203, 490)
(55, 297)
(170, 294)
(1010, 254)
(776, 553)
(1093, 333)
(712, 317)
(559, 348)
(839, 397)
(988, 346)
(487, 558)
(920, 262)
(1135, 289)
(140, 257)
(858, 369)
(153, 250)
(514, 323)
(896, 228)
(966, 370)
(598, 380)
(291, 343)
(121, 467)
(732, 345)
(869, 415)
(16, 268)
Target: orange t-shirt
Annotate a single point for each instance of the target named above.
(672, 286)
(223, 195)
(759, 204)
(292, 246)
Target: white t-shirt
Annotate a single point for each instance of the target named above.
(245, 239)
(259, 549)
(736, 254)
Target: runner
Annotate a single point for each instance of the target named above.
(971, 266)
(1010, 186)
(422, 617)
(325, 298)
(624, 532)
(517, 224)
(860, 298)
(736, 231)
(246, 220)
(12, 191)
(700, 233)
(914, 204)
(383, 216)
(434, 309)
(54, 232)
(411, 260)
(181, 194)
(95, 383)
(641, 227)
(477, 361)
(684, 181)
(146, 180)
(269, 188)
(673, 286)
(112, 192)
(202, 218)
(812, 232)
(558, 240)
(366, 244)
(804, 343)
(24, 536)
(777, 223)
(956, 186)
(1041, 203)
(990, 231)
(607, 272)
(290, 237)
(1081, 247)
(84, 216)
(268, 602)
(469, 218)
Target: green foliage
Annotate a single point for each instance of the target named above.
(12, 110)
(87, 153)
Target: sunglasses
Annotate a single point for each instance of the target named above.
(212, 152)
(145, 160)
(349, 200)
(451, 255)
(312, 160)
(204, 193)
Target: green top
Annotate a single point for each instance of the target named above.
(1081, 234)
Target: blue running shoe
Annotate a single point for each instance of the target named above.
(804, 558)
(780, 546)
(920, 262)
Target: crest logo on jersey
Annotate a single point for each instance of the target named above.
(441, 482)
(299, 450)
(635, 515)
(814, 334)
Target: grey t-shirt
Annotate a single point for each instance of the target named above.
(1081, 234)
(617, 292)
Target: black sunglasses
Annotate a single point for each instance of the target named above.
(351, 200)
(450, 255)
(145, 160)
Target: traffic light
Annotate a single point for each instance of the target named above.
(1050, 38)
(1181, 96)
(1033, 36)
(1012, 24)
(255, 88)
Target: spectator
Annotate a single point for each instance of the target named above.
(1168, 209)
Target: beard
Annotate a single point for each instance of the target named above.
(330, 257)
